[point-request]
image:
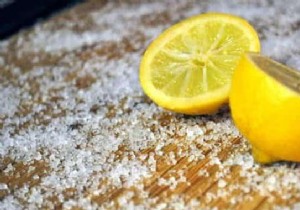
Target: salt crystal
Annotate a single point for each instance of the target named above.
(3, 186)
(2, 61)
(222, 183)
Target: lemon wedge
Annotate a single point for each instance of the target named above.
(188, 68)
(265, 106)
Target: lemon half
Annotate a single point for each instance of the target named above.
(188, 68)
(265, 106)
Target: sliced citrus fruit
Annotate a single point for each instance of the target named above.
(188, 68)
(265, 106)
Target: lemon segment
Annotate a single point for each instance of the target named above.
(188, 68)
(265, 106)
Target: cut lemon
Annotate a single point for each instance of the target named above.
(188, 68)
(265, 106)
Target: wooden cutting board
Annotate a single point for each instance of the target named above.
(77, 132)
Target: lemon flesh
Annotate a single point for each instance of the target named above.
(265, 106)
(188, 68)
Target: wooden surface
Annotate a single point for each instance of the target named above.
(75, 137)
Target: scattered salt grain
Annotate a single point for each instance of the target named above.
(10, 105)
(222, 183)
(3, 186)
